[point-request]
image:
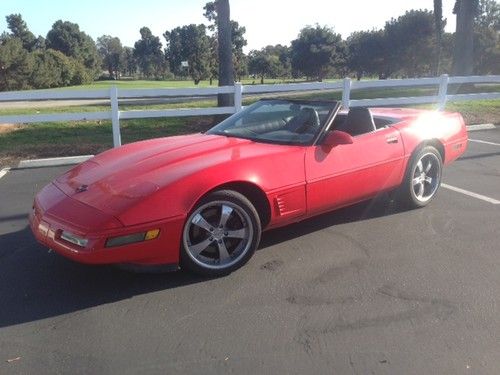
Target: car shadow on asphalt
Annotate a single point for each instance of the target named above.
(381, 206)
(37, 284)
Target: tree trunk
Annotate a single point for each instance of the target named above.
(463, 59)
(226, 70)
(438, 21)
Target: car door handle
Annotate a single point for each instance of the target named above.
(392, 140)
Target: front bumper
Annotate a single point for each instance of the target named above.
(54, 212)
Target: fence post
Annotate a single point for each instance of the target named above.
(443, 89)
(238, 96)
(115, 117)
(346, 93)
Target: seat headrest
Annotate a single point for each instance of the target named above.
(359, 121)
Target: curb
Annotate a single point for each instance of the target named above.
(54, 162)
(471, 128)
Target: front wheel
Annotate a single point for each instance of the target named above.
(221, 234)
(422, 178)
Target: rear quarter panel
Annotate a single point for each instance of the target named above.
(430, 126)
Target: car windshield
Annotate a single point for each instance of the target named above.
(292, 122)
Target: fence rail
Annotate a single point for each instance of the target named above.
(114, 95)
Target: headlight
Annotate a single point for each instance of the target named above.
(74, 239)
(132, 238)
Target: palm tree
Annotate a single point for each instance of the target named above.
(226, 70)
(466, 11)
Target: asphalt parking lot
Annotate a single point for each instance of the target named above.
(370, 289)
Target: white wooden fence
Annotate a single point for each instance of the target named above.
(346, 86)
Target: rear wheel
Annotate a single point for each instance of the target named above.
(221, 234)
(422, 178)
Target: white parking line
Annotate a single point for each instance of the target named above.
(3, 172)
(471, 194)
(485, 142)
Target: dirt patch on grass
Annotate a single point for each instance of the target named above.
(7, 128)
(202, 124)
(8, 161)
(477, 112)
(474, 118)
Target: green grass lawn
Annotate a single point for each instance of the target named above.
(40, 109)
(87, 137)
(148, 84)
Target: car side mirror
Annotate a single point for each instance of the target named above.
(336, 138)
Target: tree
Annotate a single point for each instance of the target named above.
(317, 51)
(263, 64)
(488, 15)
(240, 61)
(16, 64)
(20, 30)
(128, 62)
(411, 44)
(366, 53)
(189, 43)
(238, 41)
(439, 25)
(111, 50)
(219, 12)
(213, 58)
(463, 60)
(447, 50)
(40, 43)
(54, 69)
(283, 68)
(226, 70)
(487, 38)
(149, 55)
(67, 38)
(271, 61)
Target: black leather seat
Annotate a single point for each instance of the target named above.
(359, 121)
(306, 121)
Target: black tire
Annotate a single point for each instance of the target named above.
(422, 178)
(220, 234)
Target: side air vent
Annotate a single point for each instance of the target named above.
(280, 205)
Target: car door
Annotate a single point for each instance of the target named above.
(347, 174)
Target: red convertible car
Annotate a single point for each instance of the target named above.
(201, 201)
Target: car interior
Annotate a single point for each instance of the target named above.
(299, 123)
(359, 120)
(300, 126)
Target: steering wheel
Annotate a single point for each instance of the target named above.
(310, 122)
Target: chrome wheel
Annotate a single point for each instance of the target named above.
(426, 177)
(218, 235)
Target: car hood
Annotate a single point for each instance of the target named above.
(115, 179)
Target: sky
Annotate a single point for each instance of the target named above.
(266, 21)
